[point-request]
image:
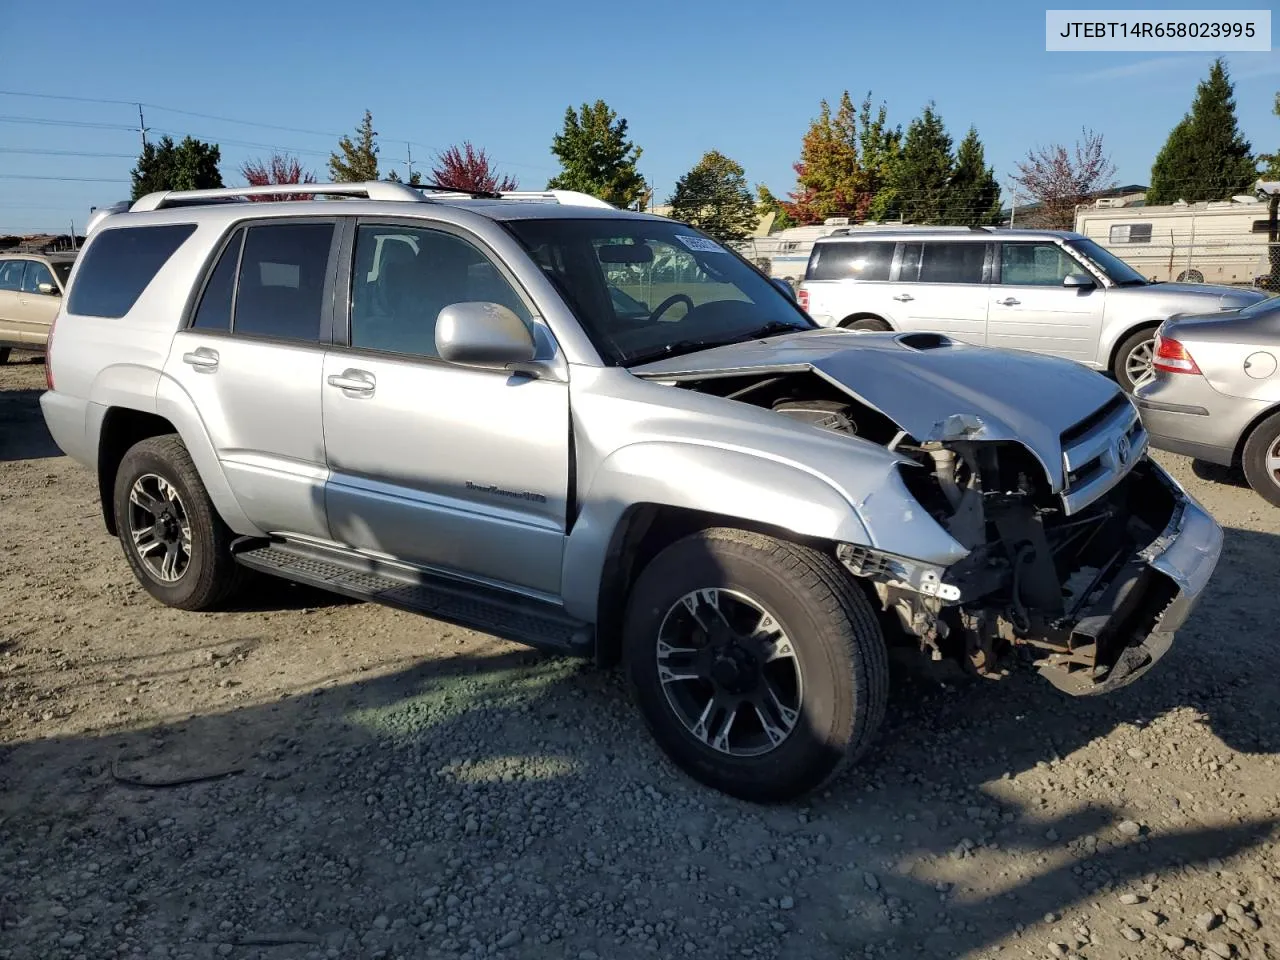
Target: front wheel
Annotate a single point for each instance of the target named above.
(1261, 459)
(1134, 360)
(758, 665)
(178, 546)
(867, 324)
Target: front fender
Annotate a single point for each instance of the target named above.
(751, 487)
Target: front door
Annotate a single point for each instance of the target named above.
(251, 361)
(941, 287)
(38, 309)
(434, 463)
(1031, 309)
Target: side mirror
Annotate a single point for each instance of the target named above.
(1079, 281)
(483, 335)
(784, 287)
(48, 289)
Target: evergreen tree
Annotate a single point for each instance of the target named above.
(356, 161)
(845, 162)
(1271, 170)
(1206, 157)
(189, 165)
(713, 197)
(922, 172)
(596, 157)
(878, 148)
(973, 195)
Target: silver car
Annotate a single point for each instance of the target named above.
(1045, 291)
(604, 434)
(1215, 395)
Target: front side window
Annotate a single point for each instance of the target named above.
(851, 261)
(280, 288)
(405, 276)
(119, 264)
(647, 289)
(1037, 264)
(37, 273)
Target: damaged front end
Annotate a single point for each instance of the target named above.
(1088, 582)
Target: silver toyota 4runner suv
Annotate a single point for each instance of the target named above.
(602, 433)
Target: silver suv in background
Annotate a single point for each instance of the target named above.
(603, 433)
(1046, 291)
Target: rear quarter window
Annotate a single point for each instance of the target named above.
(118, 266)
(850, 261)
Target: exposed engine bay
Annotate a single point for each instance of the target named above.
(1069, 590)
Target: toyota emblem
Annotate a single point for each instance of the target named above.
(1123, 450)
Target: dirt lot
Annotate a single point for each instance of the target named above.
(391, 787)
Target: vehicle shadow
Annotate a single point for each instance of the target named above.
(23, 435)
(1217, 473)
(444, 805)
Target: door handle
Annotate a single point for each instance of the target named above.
(904, 298)
(1008, 302)
(353, 381)
(202, 358)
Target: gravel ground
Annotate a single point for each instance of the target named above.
(380, 785)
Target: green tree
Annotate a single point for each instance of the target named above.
(973, 195)
(356, 161)
(713, 197)
(827, 171)
(1206, 156)
(189, 165)
(596, 157)
(767, 203)
(879, 146)
(1271, 161)
(921, 174)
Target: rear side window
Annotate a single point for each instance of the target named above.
(941, 262)
(118, 266)
(214, 312)
(280, 291)
(11, 272)
(850, 261)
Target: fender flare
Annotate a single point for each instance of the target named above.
(733, 483)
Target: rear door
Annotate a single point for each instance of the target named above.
(942, 286)
(251, 359)
(1032, 310)
(13, 329)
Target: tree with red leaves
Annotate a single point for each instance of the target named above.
(277, 170)
(469, 168)
(1058, 179)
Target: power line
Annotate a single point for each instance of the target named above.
(23, 176)
(49, 122)
(67, 153)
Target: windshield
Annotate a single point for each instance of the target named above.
(1117, 271)
(647, 289)
(1262, 307)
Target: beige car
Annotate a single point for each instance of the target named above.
(31, 289)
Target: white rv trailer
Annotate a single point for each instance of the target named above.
(1215, 242)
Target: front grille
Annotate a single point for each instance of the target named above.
(1099, 451)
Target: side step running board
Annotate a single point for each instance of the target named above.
(489, 610)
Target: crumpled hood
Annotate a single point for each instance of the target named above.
(922, 381)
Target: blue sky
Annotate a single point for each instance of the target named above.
(744, 78)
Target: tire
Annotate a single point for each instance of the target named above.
(870, 324)
(1263, 445)
(4, 355)
(162, 469)
(837, 652)
(1125, 356)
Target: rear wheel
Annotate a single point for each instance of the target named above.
(758, 665)
(1134, 359)
(173, 538)
(1261, 459)
(870, 324)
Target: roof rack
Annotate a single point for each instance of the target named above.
(368, 190)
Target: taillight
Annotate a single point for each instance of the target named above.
(802, 297)
(48, 356)
(1172, 357)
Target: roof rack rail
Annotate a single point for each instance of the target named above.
(369, 190)
(568, 198)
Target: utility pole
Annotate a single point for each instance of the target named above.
(408, 150)
(142, 126)
(73, 235)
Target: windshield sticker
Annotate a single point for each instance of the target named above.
(702, 244)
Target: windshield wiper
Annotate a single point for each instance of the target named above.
(769, 329)
(670, 349)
